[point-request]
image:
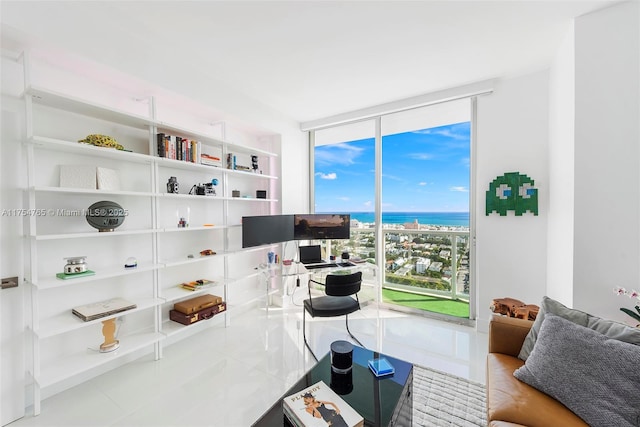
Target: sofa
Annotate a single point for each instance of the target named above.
(511, 402)
(566, 368)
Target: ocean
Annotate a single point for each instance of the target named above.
(452, 219)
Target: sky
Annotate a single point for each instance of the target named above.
(422, 171)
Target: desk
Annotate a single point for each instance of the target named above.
(385, 401)
(297, 274)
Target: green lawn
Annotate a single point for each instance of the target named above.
(427, 303)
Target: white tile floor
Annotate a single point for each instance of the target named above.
(230, 376)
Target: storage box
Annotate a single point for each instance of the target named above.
(207, 313)
(196, 304)
(78, 176)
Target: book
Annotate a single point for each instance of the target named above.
(381, 367)
(197, 284)
(209, 160)
(100, 309)
(161, 145)
(319, 402)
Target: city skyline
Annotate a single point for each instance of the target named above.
(423, 171)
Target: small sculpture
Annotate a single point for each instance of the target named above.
(512, 307)
(101, 141)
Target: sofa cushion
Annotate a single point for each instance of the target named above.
(552, 306)
(609, 328)
(595, 376)
(512, 401)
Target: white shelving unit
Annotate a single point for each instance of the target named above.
(65, 346)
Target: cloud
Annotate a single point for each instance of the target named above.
(368, 203)
(420, 156)
(459, 189)
(422, 183)
(392, 177)
(344, 198)
(337, 154)
(329, 176)
(459, 131)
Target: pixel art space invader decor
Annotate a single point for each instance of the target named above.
(512, 191)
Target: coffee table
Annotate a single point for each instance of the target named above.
(382, 401)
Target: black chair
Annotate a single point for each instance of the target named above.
(339, 300)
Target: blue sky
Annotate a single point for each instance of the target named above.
(423, 171)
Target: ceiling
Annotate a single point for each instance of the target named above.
(304, 59)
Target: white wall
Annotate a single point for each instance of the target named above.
(561, 172)
(607, 158)
(12, 336)
(512, 129)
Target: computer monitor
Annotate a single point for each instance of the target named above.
(321, 226)
(266, 229)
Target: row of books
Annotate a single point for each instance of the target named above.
(188, 150)
(232, 163)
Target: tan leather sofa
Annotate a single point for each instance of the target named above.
(511, 402)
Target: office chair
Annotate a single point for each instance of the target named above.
(338, 301)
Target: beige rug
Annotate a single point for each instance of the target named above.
(441, 399)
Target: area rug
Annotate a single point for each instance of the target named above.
(441, 399)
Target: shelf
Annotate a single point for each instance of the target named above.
(67, 321)
(191, 196)
(198, 228)
(250, 174)
(94, 234)
(92, 192)
(185, 260)
(76, 105)
(101, 274)
(231, 147)
(249, 199)
(170, 328)
(88, 150)
(175, 293)
(68, 365)
(182, 164)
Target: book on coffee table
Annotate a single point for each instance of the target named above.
(316, 403)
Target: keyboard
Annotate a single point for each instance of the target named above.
(329, 264)
(325, 265)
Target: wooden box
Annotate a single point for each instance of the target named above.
(206, 313)
(196, 304)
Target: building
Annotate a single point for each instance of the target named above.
(422, 264)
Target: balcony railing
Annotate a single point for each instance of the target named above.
(424, 261)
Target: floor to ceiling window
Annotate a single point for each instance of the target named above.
(424, 162)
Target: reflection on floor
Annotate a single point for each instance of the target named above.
(230, 376)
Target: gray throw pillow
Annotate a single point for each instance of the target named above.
(610, 328)
(551, 306)
(596, 377)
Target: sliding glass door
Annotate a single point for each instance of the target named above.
(419, 234)
(425, 208)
